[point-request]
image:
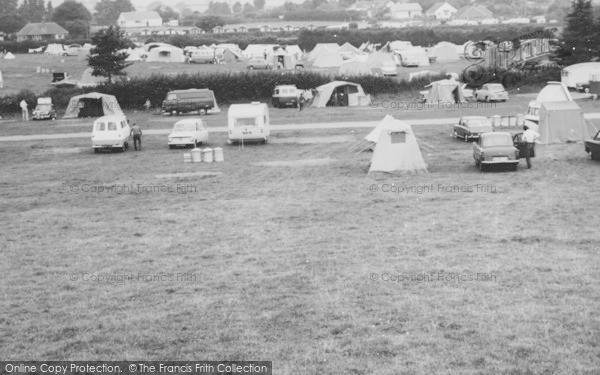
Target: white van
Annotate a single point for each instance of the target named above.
(248, 122)
(111, 132)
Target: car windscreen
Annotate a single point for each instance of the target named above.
(495, 88)
(185, 127)
(497, 140)
(473, 123)
(245, 121)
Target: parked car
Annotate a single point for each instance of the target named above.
(111, 133)
(389, 70)
(44, 109)
(178, 101)
(593, 147)
(202, 56)
(491, 92)
(522, 146)
(410, 61)
(285, 96)
(471, 127)
(188, 132)
(299, 65)
(258, 64)
(495, 149)
(71, 50)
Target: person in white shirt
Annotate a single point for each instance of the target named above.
(530, 137)
(24, 110)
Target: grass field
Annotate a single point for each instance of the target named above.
(311, 263)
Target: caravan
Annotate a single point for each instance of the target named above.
(248, 122)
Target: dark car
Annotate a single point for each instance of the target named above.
(178, 101)
(495, 149)
(285, 96)
(593, 147)
(470, 127)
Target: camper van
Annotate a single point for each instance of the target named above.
(248, 122)
(178, 101)
(202, 56)
(111, 133)
(285, 96)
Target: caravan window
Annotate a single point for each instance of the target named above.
(112, 126)
(246, 121)
(100, 126)
(352, 90)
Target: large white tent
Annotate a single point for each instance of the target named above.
(396, 149)
(166, 54)
(54, 49)
(355, 68)
(328, 59)
(378, 59)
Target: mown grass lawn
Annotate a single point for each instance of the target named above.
(294, 263)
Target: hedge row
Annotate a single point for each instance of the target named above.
(228, 87)
(23, 47)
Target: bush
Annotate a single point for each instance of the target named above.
(10, 103)
(23, 47)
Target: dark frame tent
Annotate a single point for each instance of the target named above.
(93, 104)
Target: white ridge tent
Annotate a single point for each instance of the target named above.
(93, 104)
(54, 49)
(341, 94)
(378, 59)
(444, 52)
(328, 59)
(9, 56)
(355, 68)
(321, 48)
(166, 54)
(396, 149)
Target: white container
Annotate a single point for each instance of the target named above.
(207, 155)
(38, 69)
(520, 120)
(496, 119)
(187, 157)
(196, 155)
(218, 151)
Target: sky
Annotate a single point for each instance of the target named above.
(199, 5)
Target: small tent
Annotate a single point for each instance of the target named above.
(328, 59)
(54, 49)
(340, 94)
(415, 53)
(355, 68)
(561, 122)
(376, 60)
(444, 52)
(93, 104)
(396, 149)
(281, 58)
(444, 91)
(554, 92)
(230, 55)
(89, 80)
(166, 54)
(321, 48)
(348, 51)
(132, 55)
(9, 56)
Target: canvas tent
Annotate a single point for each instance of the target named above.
(321, 48)
(93, 104)
(444, 52)
(9, 56)
(444, 91)
(89, 80)
(132, 55)
(399, 45)
(355, 68)
(378, 59)
(281, 57)
(54, 49)
(415, 52)
(554, 92)
(348, 51)
(328, 59)
(340, 94)
(166, 54)
(396, 149)
(562, 122)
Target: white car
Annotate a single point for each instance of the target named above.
(491, 92)
(389, 70)
(111, 132)
(410, 61)
(188, 132)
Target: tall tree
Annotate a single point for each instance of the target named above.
(108, 11)
(207, 23)
(74, 17)
(248, 8)
(32, 10)
(49, 10)
(167, 13)
(219, 8)
(259, 4)
(237, 8)
(106, 58)
(577, 42)
(10, 21)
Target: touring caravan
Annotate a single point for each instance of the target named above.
(248, 122)
(111, 133)
(579, 74)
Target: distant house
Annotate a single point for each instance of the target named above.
(441, 11)
(311, 27)
(163, 30)
(290, 28)
(242, 29)
(473, 12)
(406, 10)
(218, 30)
(265, 29)
(139, 19)
(41, 31)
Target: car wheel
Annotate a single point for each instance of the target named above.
(481, 166)
(202, 111)
(487, 99)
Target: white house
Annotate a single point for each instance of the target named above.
(406, 10)
(441, 11)
(139, 19)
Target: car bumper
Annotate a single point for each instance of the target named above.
(494, 162)
(181, 143)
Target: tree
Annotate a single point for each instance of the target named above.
(237, 8)
(259, 4)
(10, 21)
(105, 58)
(220, 8)
(108, 11)
(49, 10)
(577, 43)
(207, 23)
(74, 17)
(32, 10)
(167, 13)
(248, 8)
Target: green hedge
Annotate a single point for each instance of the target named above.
(23, 47)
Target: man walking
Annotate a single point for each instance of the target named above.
(301, 102)
(24, 110)
(137, 136)
(530, 136)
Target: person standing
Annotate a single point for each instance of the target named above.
(530, 137)
(137, 136)
(24, 110)
(147, 104)
(301, 102)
